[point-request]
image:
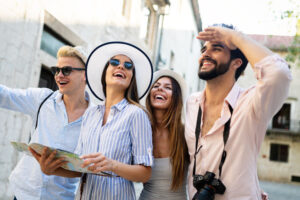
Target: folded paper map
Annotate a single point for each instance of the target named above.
(74, 161)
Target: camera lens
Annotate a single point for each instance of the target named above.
(205, 193)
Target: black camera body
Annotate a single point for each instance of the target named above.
(207, 186)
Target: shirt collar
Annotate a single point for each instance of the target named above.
(120, 106)
(59, 98)
(232, 96)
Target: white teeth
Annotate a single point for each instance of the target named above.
(62, 82)
(159, 97)
(119, 75)
(207, 62)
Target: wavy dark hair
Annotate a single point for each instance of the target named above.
(172, 121)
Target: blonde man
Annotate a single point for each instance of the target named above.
(57, 124)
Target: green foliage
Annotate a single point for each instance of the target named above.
(292, 13)
(294, 51)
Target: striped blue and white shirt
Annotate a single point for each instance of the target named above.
(126, 137)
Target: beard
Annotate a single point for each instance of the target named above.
(218, 70)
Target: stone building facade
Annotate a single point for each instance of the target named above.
(32, 30)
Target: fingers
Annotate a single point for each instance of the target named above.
(50, 158)
(92, 155)
(35, 154)
(44, 154)
(104, 165)
(92, 158)
(211, 36)
(48, 162)
(97, 162)
(218, 34)
(51, 164)
(210, 29)
(54, 163)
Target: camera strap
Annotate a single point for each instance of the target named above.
(225, 138)
(38, 112)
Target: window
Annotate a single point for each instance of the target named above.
(51, 41)
(279, 152)
(295, 178)
(47, 79)
(282, 119)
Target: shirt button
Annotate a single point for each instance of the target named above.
(112, 112)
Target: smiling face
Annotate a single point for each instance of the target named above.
(71, 83)
(214, 61)
(119, 75)
(161, 94)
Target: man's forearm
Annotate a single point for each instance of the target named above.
(253, 51)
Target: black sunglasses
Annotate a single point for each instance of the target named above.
(116, 62)
(66, 71)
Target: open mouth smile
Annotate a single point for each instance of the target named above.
(119, 75)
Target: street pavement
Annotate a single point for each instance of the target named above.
(281, 191)
(276, 191)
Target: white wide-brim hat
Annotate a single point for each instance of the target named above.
(180, 80)
(101, 55)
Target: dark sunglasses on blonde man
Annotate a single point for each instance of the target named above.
(66, 71)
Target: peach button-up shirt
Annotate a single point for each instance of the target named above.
(252, 110)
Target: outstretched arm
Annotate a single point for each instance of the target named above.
(253, 51)
(26, 101)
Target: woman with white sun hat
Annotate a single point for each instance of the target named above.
(116, 137)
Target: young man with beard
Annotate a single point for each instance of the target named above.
(231, 121)
(57, 125)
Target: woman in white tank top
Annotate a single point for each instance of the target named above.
(165, 104)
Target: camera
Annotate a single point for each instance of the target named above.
(207, 186)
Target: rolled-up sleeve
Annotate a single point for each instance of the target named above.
(272, 88)
(141, 136)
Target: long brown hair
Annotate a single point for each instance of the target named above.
(172, 121)
(131, 93)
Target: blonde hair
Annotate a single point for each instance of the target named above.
(68, 51)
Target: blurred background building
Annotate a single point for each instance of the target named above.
(31, 32)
